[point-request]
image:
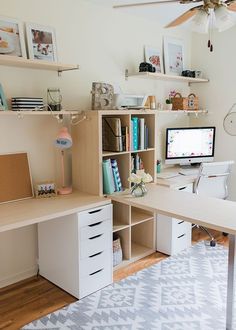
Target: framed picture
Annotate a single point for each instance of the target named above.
(173, 56)
(3, 101)
(12, 37)
(153, 56)
(41, 42)
(45, 189)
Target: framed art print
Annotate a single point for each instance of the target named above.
(12, 37)
(3, 101)
(153, 56)
(41, 42)
(173, 56)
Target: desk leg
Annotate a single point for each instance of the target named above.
(230, 283)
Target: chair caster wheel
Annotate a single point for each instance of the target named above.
(225, 234)
(213, 243)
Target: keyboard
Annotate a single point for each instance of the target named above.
(167, 175)
(192, 171)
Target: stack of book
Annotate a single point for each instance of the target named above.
(27, 103)
(111, 176)
(136, 163)
(139, 134)
(114, 136)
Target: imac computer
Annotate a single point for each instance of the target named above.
(189, 146)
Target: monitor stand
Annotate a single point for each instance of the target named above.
(191, 169)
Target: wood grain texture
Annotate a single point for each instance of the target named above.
(33, 298)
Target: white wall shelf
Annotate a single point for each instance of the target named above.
(162, 76)
(187, 112)
(21, 62)
(37, 113)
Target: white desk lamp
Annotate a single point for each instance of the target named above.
(63, 141)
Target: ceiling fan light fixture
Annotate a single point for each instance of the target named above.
(224, 19)
(200, 22)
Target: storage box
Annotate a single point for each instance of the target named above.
(185, 103)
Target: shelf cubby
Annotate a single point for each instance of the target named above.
(142, 239)
(140, 216)
(124, 236)
(121, 216)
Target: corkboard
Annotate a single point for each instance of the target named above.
(15, 179)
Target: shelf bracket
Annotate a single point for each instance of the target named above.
(71, 69)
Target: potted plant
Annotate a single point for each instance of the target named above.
(139, 180)
(169, 100)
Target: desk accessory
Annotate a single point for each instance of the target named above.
(185, 103)
(63, 141)
(139, 180)
(111, 134)
(102, 96)
(15, 177)
(129, 101)
(27, 103)
(45, 189)
(54, 99)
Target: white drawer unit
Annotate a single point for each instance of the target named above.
(75, 252)
(173, 235)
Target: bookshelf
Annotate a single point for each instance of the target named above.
(134, 226)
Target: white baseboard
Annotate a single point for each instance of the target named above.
(14, 278)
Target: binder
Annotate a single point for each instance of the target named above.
(141, 133)
(108, 181)
(116, 175)
(111, 134)
(135, 121)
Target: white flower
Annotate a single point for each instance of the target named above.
(141, 177)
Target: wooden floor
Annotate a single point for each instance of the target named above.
(33, 298)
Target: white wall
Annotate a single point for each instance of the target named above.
(104, 43)
(219, 94)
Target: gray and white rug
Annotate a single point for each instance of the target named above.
(183, 292)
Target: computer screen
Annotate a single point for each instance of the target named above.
(188, 145)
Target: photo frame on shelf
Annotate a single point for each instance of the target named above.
(12, 41)
(45, 189)
(173, 56)
(41, 42)
(153, 55)
(3, 101)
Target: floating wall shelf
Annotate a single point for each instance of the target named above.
(37, 113)
(162, 76)
(21, 62)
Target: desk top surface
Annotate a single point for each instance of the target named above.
(30, 211)
(205, 211)
(177, 181)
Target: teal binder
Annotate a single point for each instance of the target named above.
(135, 137)
(108, 181)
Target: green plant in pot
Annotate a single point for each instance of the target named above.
(169, 100)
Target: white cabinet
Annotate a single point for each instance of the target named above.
(75, 251)
(173, 235)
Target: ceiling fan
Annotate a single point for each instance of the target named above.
(209, 14)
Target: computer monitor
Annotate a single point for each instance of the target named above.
(190, 145)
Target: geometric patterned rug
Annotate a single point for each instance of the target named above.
(183, 292)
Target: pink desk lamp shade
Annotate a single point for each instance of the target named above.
(63, 141)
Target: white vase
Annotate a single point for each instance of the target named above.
(169, 106)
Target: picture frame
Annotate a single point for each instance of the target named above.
(173, 56)
(12, 41)
(45, 189)
(3, 100)
(41, 42)
(153, 55)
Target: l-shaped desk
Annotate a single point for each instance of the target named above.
(208, 212)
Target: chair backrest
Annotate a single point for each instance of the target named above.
(212, 179)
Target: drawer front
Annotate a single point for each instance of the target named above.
(94, 229)
(95, 262)
(95, 281)
(93, 216)
(180, 243)
(180, 227)
(95, 244)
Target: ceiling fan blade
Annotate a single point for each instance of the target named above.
(232, 6)
(182, 18)
(139, 4)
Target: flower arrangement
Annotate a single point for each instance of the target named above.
(139, 180)
(171, 95)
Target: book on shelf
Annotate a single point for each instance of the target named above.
(136, 163)
(111, 176)
(125, 138)
(111, 134)
(138, 134)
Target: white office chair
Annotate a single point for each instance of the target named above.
(212, 182)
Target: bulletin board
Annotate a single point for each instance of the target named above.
(15, 177)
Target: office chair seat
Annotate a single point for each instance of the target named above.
(212, 181)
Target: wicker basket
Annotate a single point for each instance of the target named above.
(117, 252)
(185, 103)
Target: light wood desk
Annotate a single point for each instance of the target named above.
(30, 211)
(205, 211)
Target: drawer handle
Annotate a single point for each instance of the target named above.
(95, 211)
(95, 236)
(96, 254)
(95, 224)
(179, 223)
(98, 271)
(181, 236)
(182, 188)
